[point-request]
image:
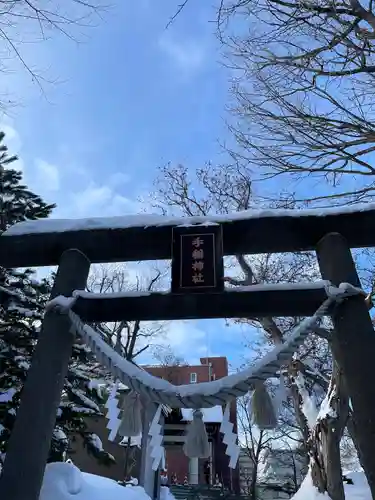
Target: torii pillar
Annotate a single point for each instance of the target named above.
(30, 441)
(148, 478)
(353, 342)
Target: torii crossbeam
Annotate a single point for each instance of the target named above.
(148, 237)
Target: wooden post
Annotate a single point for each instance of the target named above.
(29, 444)
(147, 477)
(157, 485)
(353, 343)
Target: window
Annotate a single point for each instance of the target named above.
(193, 378)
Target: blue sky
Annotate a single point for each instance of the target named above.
(129, 97)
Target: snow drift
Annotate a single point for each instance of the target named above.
(64, 481)
(359, 490)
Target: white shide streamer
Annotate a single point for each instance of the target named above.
(113, 412)
(156, 434)
(230, 438)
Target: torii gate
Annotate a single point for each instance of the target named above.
(74, 245)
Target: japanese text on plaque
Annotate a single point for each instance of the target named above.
(198, 261)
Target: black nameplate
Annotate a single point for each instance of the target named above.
(197, 259)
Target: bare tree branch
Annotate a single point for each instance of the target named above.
(127, 337)
(303, 98)
(25, 21)
(180, 8)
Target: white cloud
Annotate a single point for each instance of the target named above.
(47, 175)
(118, 178)
(13, 141)
(100, 200)
(187, 340)
(188, 55)
(71, 188)
(12, 138)
(40, 175)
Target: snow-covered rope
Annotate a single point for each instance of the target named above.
(205, 394)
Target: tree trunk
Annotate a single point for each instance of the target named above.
(127, 456)
(253, 484)
(350, 424)
(330, 439)
(323, 441)
(326, 438)
(325, 463)
(353, 434)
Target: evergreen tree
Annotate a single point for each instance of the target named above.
(22, 302)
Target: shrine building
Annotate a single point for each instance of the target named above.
(185, 469)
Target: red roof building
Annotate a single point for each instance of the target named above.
(193, 471)
(177, 464)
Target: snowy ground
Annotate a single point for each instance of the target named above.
(357, 491)
(64, 481)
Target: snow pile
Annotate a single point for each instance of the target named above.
(308, 491)
(133, 481)
(359, 490)
(64, 481)
(165, 493)
(308, 405)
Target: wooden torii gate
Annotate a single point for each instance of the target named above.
(74, 245)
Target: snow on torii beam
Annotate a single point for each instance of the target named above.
(148, 237)
(296, 299)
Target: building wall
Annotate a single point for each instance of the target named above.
(211, 368)
(176, 460)
(180, 375)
